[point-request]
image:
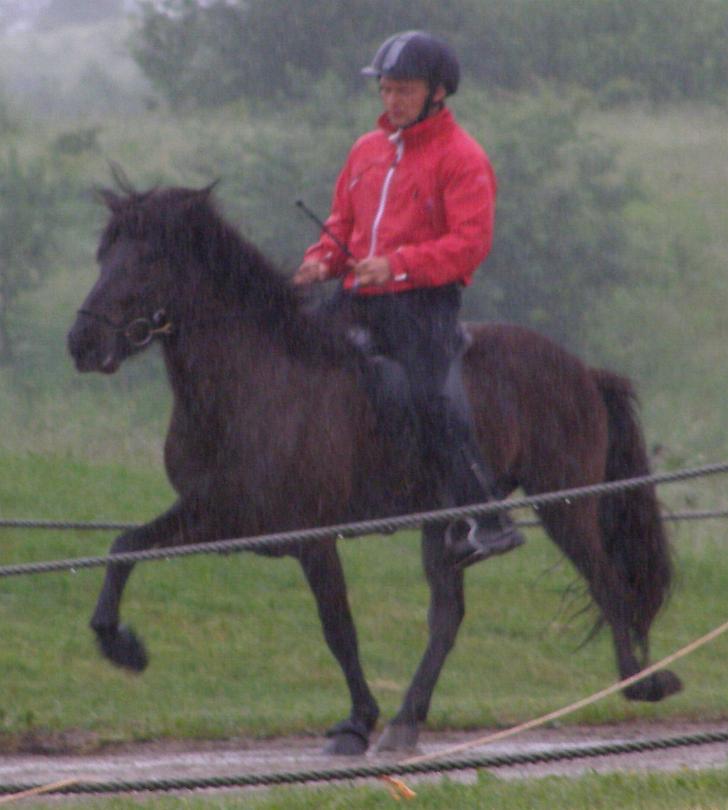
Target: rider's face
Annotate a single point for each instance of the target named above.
(403, 99)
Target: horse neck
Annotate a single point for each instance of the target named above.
(223, 354)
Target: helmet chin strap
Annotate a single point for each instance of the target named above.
(427, 107)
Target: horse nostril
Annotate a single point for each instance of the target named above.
(76, 338)
(73, 342)
(80, 342)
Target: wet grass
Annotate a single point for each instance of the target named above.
(235, 642)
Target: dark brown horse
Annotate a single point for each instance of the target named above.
(271, 430)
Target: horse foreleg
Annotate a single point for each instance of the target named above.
(322, 568)
(119, 643)
(447, 608)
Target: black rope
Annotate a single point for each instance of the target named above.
(375, 771)
(63, 525)
(381, 525)
(101, 526)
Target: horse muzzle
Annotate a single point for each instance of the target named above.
(96, 343)
(93, 348)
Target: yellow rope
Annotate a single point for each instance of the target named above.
(580, 704)
(37, 791)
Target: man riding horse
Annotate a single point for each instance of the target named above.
(411, 220)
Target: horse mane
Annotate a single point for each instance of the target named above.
(185, 227)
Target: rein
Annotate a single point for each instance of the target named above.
(140, 331)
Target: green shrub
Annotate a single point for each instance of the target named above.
(561, 238)
(29, 216)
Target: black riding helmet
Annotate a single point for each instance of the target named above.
(417, 55)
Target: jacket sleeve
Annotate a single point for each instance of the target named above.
(339, 223)
(468, 200)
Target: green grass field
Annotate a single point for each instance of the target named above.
(235, 642)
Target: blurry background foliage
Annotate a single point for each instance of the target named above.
(605, 121)
(637, 49)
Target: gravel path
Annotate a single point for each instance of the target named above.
(180, 759)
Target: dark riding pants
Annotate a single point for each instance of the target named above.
(419, 330)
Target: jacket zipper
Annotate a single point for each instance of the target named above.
(385, 192)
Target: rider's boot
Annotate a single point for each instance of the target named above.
(471, 539)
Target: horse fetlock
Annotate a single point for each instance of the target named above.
(658, 686)
(122, 647)
(366, 716)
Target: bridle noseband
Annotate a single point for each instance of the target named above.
(140, 331)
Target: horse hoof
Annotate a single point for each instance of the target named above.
(399, 738)
(657, 687)
(347, 739)
(346, 745)
(122, 647)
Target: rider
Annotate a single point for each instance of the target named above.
(411, 219)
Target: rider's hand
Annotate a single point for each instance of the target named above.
(375, 270)
(310, 272)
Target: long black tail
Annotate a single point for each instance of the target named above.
(633, 531)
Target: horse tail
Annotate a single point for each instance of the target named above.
(632, 528)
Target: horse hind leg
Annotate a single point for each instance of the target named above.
(118, 642)
(446, 612)
(576, 529)
(652, 688)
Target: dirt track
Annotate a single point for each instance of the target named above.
(149, 761)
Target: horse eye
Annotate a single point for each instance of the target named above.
(159, 317)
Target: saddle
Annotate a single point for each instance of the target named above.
(387, 385)
(401, 422)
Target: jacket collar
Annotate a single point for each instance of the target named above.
(423, 130)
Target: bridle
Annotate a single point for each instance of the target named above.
(139, 331)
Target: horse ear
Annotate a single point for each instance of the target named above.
(121, 179)
(191, 198)
(108, 198)
(205, 193)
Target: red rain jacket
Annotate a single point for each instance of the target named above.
(424, 197)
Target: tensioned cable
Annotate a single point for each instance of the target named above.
(370, 771)
(101, 526)
(61, 525)
(382, 525)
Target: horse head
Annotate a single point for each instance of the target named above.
(135, 296)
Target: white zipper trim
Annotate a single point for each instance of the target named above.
(395, 138)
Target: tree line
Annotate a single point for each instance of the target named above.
(657, 50)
